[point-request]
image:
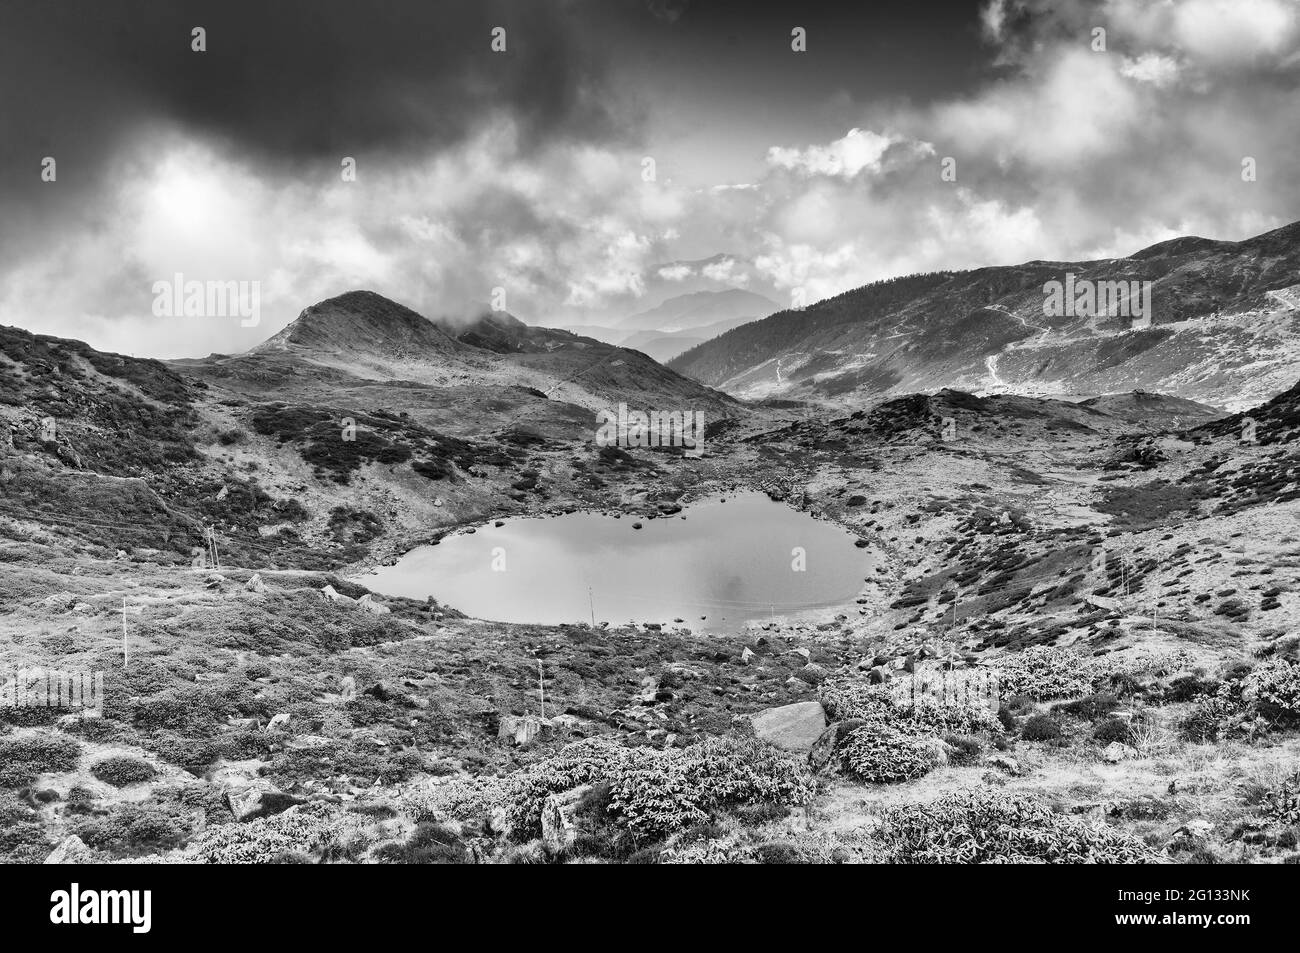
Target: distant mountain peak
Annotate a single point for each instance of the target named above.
(360, 322)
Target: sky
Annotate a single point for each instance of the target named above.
(582, 169)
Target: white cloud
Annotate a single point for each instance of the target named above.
(1160, 71)
(675, 272)
(859, 149)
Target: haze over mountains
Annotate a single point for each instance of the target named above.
(1225, 331)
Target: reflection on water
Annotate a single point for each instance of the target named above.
(731, 561)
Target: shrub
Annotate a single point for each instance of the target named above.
(22, 759)
(1186, 688)
(1006, 717)
(953, 716)
(855, 698)
(1044, 672)
(1281, 801)
(1274, 689)
(24, 842)
(1113, 729)
(428, 844)
(882, 755)
(1041, 728)
(122, 771)
(1211, 716)
(1089, 707)
(651, 792)
(990, 826)
(135, 829)
(305, 830)
(965, 750)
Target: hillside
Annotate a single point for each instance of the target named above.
(1225, 331)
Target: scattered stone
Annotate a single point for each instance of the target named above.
(791, 727)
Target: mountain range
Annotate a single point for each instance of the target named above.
(1224, 330)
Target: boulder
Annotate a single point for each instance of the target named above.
(258, 801)
(746, 655)
(333, 595)
(71, 850)
(559, 829)
(367, 603)
(522, 729)
(278, 721)
(791, 727)
(255, 584)
(1117, 751)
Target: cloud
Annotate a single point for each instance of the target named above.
(1153, 68)
(675, 272)
(845, 157)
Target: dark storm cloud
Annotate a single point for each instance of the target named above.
(282, 83)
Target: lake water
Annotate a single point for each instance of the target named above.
(731, 561)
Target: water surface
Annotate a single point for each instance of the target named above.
(730, 561)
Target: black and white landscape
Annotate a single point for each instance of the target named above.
(656, 431)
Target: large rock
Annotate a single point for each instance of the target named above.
(522, 729)
(559, 830)
(258, 801)
(791, 727)
(71, 850)
(369, 605)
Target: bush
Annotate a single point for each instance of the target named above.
(1281, 801)
(123, 771)
(307, 829)
(1006, 717)
(986, 826)
(1211, 716)
(652, 793)
(1089, 707)
(428, 844)
(965, 750)
(22, 759)
(131, 830)
(1041, 728)
(1274, 689)
(1044, 672)
(1113, 729)
(882, 755)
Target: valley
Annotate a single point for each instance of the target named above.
(1123, 566)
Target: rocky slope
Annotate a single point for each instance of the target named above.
(1225, 330)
